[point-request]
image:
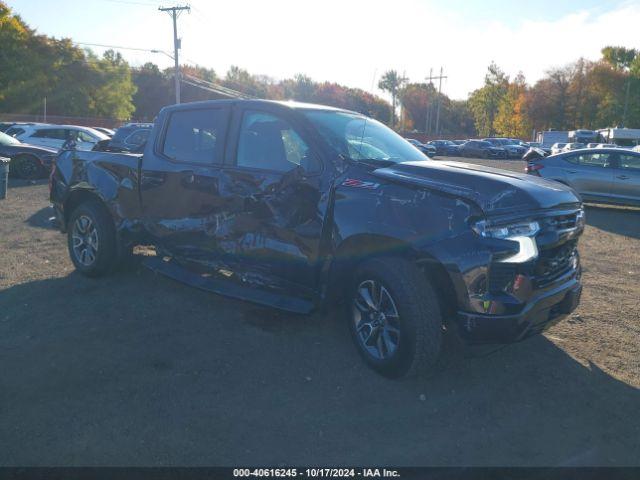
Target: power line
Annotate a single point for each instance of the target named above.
(122, 48)
(213, 87)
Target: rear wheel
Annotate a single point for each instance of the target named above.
(91, 239)
(27, 167)
(394, 317)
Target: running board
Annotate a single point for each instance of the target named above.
(227, 288)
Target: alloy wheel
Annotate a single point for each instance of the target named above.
(376, 320)
(85, 240)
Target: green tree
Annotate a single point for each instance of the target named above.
(393, 83)
(484, 102)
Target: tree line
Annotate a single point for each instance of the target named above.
(77, 82)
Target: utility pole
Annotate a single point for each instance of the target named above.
(427, 127)
(439, 102)
(429, 112)
(174, 12)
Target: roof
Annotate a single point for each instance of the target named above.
(285, 103)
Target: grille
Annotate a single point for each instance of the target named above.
(554, 262)
(562, 222)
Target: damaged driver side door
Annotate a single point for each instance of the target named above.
(273, 206)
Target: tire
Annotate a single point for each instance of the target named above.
(408, 334)
(91, 230)
(485, 154)
(27, 167)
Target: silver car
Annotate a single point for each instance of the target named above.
(604, 175)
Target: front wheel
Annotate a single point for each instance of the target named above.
(91, 239)
(394, 317)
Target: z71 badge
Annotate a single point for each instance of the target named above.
(352, 182)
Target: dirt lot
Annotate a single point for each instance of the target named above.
(136, 369)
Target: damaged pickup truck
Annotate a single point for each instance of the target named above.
(302, 206)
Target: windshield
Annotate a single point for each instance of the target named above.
(8, 140)
(360, 138)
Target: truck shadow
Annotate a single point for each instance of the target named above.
(41, 218)
(136, 368)
(620, 220)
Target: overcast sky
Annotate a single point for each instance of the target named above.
(352, 41)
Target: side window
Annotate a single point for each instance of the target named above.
(196, 136)
(630, 161)
(593, 159)
(270, 143)
(84, 136)
(40, 134)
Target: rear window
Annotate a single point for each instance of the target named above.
(196, 136)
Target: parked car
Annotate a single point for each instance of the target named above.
(604, 175)
(607, 145)
(55, 136)
(481, 149)
(573, 146)
(128, 138)
(444, 147)
(511, 146)
(428, 150)
(277, 203)
(27, 161)
(557, 148)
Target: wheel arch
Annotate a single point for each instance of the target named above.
(79, 196)
(359, 248)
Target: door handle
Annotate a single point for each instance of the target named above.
(623, 177)
(571, 171)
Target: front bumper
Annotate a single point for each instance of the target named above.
(542, 311)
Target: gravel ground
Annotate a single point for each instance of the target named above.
(136, 369)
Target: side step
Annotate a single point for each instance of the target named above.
(228, 288)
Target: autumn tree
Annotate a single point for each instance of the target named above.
(512, 120)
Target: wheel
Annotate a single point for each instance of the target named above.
(394, 317)
(91, 239)
(485, 154)
(27, 167)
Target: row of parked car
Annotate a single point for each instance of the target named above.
(504, 148)
(33, 146)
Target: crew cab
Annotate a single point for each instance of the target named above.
(303, 207)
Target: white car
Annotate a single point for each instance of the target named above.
(55, 136)
(607, 145)
(557, 148)
(573, 146)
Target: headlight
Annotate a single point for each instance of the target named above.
(523, 233)
(526, 229)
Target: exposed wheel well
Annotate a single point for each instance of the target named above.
(364, 247)
(76, 198)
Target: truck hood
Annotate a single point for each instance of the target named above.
(495, 191)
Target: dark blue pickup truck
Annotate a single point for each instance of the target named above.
(302, 207)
